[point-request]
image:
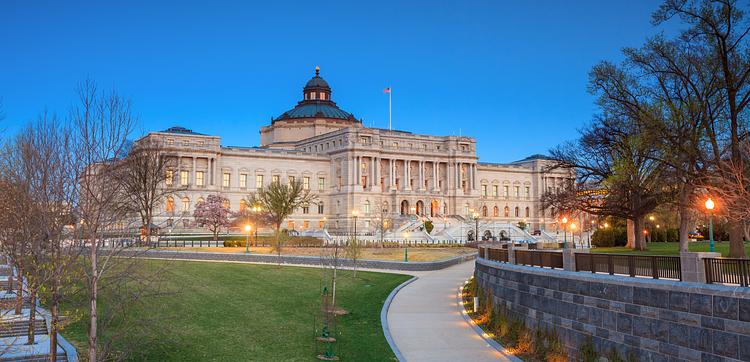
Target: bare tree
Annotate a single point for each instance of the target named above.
(142, 176)
(102, 122)
(353, 251)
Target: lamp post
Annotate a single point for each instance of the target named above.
(651, 226)
(476, 226)
(247, 238)
(573, 234)
(256, 210)
(355, 213)
(565, 231)
(406, 247)
(710, 207)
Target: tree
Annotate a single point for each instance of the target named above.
(279, 202)
(353, 251)
(213, 213)
(719, 29)
(384, 222)
(142, 176)
(101, 123)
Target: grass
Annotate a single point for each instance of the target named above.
(240, 312)
(671, 248)
(391, 254)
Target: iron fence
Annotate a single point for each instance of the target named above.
(633, 265)
(727, 271)
(547, 259)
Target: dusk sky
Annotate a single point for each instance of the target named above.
(512, 74)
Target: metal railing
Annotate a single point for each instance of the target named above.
(633, 265)
(547, 259)
(727, 271)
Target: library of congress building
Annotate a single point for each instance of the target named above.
(377, 172)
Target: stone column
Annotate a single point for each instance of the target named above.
(435, 182)
(459, 176)
(195, 183)
(421, 175)
(407, 176)
(391, 174)
(357, 170)
(692, 267)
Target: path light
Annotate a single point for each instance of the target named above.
(710, 207)
(247, 238)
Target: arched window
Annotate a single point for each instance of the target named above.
(338, 206)
(495, 211)
(185, 204)
(170, 204)
(320, 207)
(517, 212)
(506, 211)
(484, 211)
(243, 205)
(366, 207)
(200, 199)
(528, 213)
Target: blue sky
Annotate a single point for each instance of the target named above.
(513, 74)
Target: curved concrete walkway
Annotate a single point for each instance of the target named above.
(426, 324)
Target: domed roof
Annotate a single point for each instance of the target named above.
(316, 110)
(317, 102)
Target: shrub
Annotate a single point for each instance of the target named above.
(428, 226)
(609, 237)
(669, 235)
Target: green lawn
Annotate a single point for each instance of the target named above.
(671, 248)
(241, 312)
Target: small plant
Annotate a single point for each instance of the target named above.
(588, 352)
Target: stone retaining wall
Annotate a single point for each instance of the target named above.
(651, 320)
(304, 260)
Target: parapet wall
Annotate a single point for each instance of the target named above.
(650, 320)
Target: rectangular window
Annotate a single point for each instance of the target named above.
(364, 182)
(199, 181)
(484, 190)
(183, 178)
(243, 180)
(505, 191)
(225, 181)
(320, 208)
(291, 179)
(528, 192)
(306, 209)
(321, 224)
(518, 191)
(306, 183)
(275, 179)
(494, 190)
(321, 184)
(169, 178)
(306, 224)
(258, 181)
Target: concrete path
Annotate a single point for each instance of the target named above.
(426, 323)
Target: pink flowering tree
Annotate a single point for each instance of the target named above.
(213, 214)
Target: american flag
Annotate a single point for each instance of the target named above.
(387, 90)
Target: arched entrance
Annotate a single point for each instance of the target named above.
(434, 208)
(470, 235)
(487, 235)
(504, 235)
(420, 207)
(405, 207)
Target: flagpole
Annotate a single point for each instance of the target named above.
(390, 92)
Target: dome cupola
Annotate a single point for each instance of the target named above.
(317, 88)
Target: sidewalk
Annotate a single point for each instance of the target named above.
(425, 322)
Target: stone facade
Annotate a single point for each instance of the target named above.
(650, 320)
(352, 167)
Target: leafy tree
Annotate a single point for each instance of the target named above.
(213, 214)
(279, 202)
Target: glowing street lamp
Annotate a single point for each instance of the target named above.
(710, 207)
(565, 231)
(247, 238)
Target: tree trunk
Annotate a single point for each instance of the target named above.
(631, 234)
(32, 317)
(746, 229)
(685, 223)
(93, 285)
(639, 243)
(736, 246)
(19, 289)
(55, 313)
